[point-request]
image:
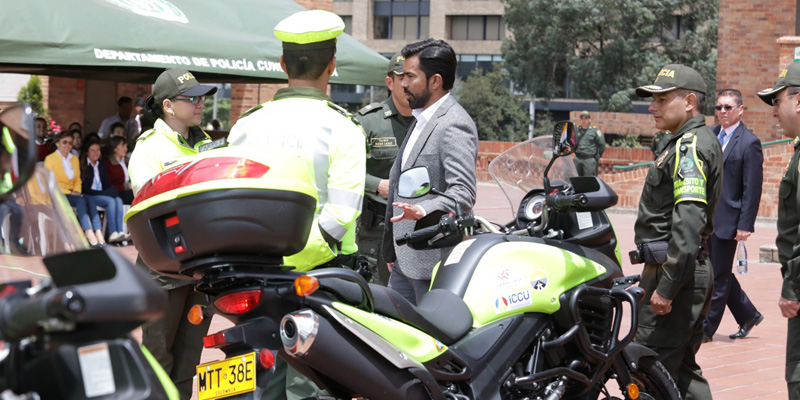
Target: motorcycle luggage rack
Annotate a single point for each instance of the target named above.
(219, 273)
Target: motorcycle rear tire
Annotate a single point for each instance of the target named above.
(653, 380)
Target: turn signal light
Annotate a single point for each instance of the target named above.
(633, 391)
(195, 315)
(305, 285)
(238, 302)
(266, 359)
(215, 340)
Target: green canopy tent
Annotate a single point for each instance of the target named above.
(134, 40)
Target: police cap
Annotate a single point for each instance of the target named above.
(585, 113)
(309, 30)
(790, 76)
(671, 77)
(396, 64)
(177, 81)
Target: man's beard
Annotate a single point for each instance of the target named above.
(418, 101)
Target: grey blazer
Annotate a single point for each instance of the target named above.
(448, 147)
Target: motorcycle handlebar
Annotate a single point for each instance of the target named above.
(561, 201)
(420, 234)
(19, 316)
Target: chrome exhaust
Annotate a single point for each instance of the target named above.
(298, 331)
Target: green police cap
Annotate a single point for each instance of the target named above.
(177, 81)
(396, 64)
(309, 30)
(585, 113)
(788, 77)
(671, 77)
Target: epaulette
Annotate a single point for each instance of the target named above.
(252, 110)
(145, 134)
(343, 111)
(370, 108)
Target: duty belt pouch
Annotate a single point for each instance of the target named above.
(654, 252)
(367, 215)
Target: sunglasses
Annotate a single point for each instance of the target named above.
(727, 108)
(777, 101)
(194, 99)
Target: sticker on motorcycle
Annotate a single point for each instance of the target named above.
(513, 301)
(507, 279)
(96, 369)
(584, 220)
(458, 252)
(538, 280)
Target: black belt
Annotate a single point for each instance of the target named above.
(584, 156)
(379, 209)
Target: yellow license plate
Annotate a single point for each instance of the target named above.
(232, 376)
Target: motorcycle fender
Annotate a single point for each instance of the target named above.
(633, 352)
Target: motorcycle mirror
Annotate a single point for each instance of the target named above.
(17, 148)
(564, 138)
(414, 182)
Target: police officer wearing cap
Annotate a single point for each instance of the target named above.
(385, 125)
(301, 119)
(676, 210)
(784, 99)
(177, 101)
(591, 145)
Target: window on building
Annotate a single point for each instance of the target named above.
(469, 62)
(401, 19)
(348, 24)
(477, 27)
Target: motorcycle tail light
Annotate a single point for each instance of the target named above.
(195, 315)
(305, 285)
(215, 340)
(633, 391)
(238, 302)
(204, 170)
(266, 359)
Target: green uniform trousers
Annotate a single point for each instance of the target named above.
(370, 239)
(289, 384)
(793, 358)
(586, 166)
(677, 336)
(176, 343)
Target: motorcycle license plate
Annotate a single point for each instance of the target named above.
(232, 376)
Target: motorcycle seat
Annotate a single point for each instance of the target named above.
(440, 313)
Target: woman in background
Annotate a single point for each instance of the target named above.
(95, 185)
(117, 165)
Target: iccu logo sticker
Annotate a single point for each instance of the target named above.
(161, 9)
(513, 301)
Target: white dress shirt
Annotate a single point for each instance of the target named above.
(728, 132)
(423, 115)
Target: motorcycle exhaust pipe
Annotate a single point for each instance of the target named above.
(338, 355)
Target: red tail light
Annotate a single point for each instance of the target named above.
(204, 170)
(266, 359)
(239, 302)
(215, 340)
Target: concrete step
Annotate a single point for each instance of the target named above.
(768, 253)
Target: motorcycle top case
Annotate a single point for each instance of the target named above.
(231, 201)
(498, 277)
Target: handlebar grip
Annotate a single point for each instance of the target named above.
(563, 201)
(19, 316)
(420, 234)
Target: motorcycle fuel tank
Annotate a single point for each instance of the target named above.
(498, 278)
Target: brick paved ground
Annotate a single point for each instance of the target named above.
(750, 368)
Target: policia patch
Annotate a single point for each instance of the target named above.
(688, 178)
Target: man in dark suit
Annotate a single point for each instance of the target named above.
(736, 214)
(444, 139)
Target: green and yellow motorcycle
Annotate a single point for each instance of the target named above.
(534, 309)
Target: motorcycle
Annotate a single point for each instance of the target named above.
(66, 335)
(532, 309)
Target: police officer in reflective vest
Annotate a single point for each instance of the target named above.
(385, 125)
(176, 100)
(784, 99)
(301, 119)
(676, 213)
(591, 145)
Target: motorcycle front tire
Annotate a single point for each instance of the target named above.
(653, 380)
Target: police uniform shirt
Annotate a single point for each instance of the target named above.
(788, 221)
(385, 130)
(590, 141)
(678, 200)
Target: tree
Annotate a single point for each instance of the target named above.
(497, 113)
(606, 47)
(223, 111)
(32, 94)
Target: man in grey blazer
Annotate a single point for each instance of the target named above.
(444, 139)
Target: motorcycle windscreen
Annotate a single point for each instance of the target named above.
(521, 168)
(36, 221)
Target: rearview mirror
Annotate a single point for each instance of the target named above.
(17, 148)
(415, 182)
(564, 138)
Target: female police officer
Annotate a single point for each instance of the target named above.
(177, 101)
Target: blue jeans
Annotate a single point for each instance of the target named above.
(113, 206)
(85, 206)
